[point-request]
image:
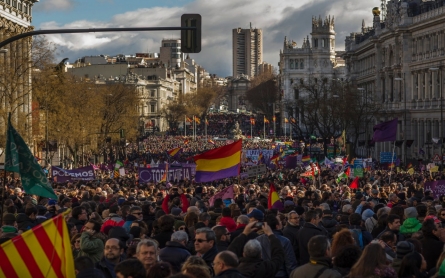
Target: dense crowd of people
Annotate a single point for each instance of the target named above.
(388, 227)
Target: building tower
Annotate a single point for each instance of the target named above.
(247, 49)
(323, 40)
(171, 54)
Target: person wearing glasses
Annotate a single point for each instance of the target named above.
(291, 229)
(222, 237)
(135, 213)
(205, 246)
(113, 255)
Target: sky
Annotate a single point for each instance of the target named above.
(277, 19)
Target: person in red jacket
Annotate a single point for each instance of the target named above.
(174, 192)
(227, 220)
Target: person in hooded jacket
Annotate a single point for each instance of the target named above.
(411, 223)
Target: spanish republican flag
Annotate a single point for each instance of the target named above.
(274, 159)
(165, 175)
(219, 163)
(44, 251)
(174, 152)
(273, 197)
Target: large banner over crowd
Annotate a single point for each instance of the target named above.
(254, 154)
(437, 187)
(63, 175)
(154, 174)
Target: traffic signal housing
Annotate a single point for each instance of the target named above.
(191, 39)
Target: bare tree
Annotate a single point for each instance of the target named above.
(263, 93)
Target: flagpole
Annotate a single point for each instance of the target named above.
(251, 128)
(264, 129)
(185, 126)
(205, 124)
(392, 161)
(285, 129)
(4, 177)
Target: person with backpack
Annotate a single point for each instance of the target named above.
(361, 236)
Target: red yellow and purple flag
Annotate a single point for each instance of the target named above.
(219, 163)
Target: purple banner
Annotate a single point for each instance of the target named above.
(154, 174)
(63, 175)
(291, 161)
(437, 187)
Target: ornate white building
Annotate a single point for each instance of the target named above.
(315, 58)
(400, 63)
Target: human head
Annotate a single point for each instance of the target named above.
(393, 221)
(166, 223)
(180, 236)
(255, 215)
(347, 256)
(160, 270)
(93, 226)
(130, 268)
(136, 212)
(319, 246)
(147, 252)
(403, 248)
(204, 240)
(355, 219)
(221, 233)
(412, 265)
(223, 261)
(113, 249)
(252, 249)
(79, 213)
(312, 217)
(83, 263)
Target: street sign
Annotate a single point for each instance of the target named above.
(436, 158)
(256, 170)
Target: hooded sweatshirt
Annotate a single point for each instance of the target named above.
(410, 225)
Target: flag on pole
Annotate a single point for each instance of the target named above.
(226, 193)
(219, 163)
(292, 119)
(118, 165)
(386, 131)
(340, 176)
(211, 141)
(273, 200)
(275, 159)
(188, 120)
(266, 121)
(286, 120)
(252, 121)
(19, 159)
(274, 119)
(197, 120)
(306, 158)
(43, 251)
(354, 183)
(165, 175)
(207, 122)
(174, 152)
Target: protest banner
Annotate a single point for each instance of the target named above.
(154, 174)
(63, 175)
(437, 187)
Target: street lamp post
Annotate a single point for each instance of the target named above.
(404, 118)
(441, 117)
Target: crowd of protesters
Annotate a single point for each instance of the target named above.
(388, 227)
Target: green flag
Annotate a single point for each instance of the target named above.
(118, 165)
(19, 159)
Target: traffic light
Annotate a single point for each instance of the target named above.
(191, 39)
(122, 133)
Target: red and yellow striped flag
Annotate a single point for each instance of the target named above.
(44, 251)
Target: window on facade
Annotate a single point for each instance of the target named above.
(301, 64)
(152, 108)
(152, 93)
(323, 44)
(296, 94)
(8, 2)
(14, 3)
(291, 63)
(315, 42)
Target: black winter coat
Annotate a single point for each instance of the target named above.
(174, 253)
(308, 231)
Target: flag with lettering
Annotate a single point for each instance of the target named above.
(19, 159)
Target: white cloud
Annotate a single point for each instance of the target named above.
(54, 5)
(277, 19)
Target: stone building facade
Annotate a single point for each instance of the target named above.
(15, 68)
(316, 57)
(400, 64)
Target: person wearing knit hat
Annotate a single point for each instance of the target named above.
(368, 213)
(402, 248)
(176, 211)
(411, 224)
(179, 225)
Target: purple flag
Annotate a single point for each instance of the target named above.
(226, 193)
(386, 131)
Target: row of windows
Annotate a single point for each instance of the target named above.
(18, 5)
(296, 64)
(171, 44)
(429, 42)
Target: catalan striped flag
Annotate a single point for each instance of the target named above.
(286, 120)
(197, 120)
(266, 121)
(174, 152)
(188, 120)
(219, 163)
(293, 120)
(274, 118)
(273, 201)
(211, 142)
(306, 158)
(43, 251)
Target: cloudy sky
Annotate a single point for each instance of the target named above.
(277, 18)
